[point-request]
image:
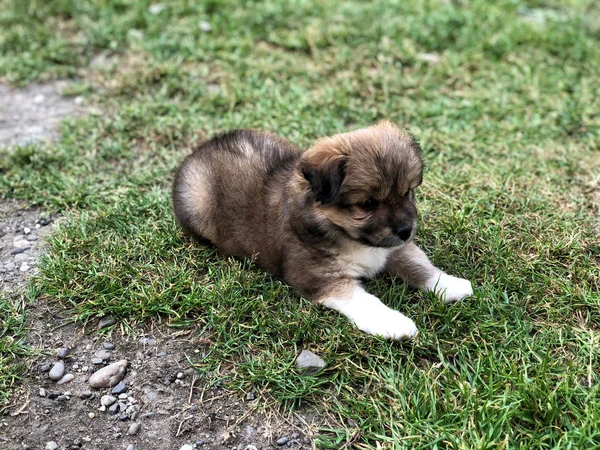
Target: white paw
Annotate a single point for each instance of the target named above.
(449, 288)
(387, 323)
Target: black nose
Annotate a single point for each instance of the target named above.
(404, 232)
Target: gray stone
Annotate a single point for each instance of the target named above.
(62, 398)
(57, 371)
(119, 388)
(250, 396)
(32, 237)
(123, 417)
(151, 396)
(18, 250)
(107, 400)
(113, 409)
(308, 363)
(105, 355)
(63, 352)
(66, 379)
(97, 361)
(43, 392)
(282, 441)
(123, 396)
(147, 341)
(108, 346)
(24, 267)
(10, 266)
(187, 447)
(21, 257)
(106, 322)
(131, 447)
(134, 428)
(21, 243)
(51, 445)
(45, 367)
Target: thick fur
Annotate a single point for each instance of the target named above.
(322, 220)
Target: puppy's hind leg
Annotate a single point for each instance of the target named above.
(412, 265)
(369, 314)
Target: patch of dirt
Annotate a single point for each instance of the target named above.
(33, 113)
(172, 407)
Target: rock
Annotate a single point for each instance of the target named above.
(156, 8)
(161, 354)
(18, 250)
(21, 257)
(147, 341)
(180, 375)
(205, 26)
(57, 371)
(45, 367)
(66, 379)
(103, 354)
(123, 417)
(62, 398)
(308, 363)
(22, 243)
(40, 98)
(119, 388)
(282, 441)
(108, 346)
(97, 361)
(78, 100)
(131, 447)
(32, 237)
(114, 409)
(43, 392)
(250, 447)
(91, 415)
(10, 266)
(134, 428)
(123, 396)
(187, 447)
(107, 400)
(250, 396)
(24, 267)
(45, 221)
(151, 396)
(86, 394)
(26, 230)
(109, 376)
(63, 352)
(106, 322)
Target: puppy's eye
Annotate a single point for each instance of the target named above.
(369, 205)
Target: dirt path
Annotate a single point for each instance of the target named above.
(163, 405)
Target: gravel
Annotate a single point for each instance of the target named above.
(134, 428)
(308, 363)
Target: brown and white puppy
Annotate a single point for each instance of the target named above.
(322, 220)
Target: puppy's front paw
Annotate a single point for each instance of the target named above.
(387, 323)
(451, 289)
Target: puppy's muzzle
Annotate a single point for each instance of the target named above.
(404, 232)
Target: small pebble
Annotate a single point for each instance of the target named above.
(97, 361)
(18, 250)
(10, 266)
(187, 447)
(114, 409)
(57, 371)
(86, 394)
(250, 447)
(147, 341)
(43, 392)
(134, 415)
(119, 388)
(91, 415)
(282, 441)
(180, 375)
(106, 322)
(24, 267)
(108, 346)
(44, 368)
(40, 98)
(66, 379)
(63, 352)
(205, 26)
(123, 417)
(131, 447)
(134, 428)
(250, 396)
(107, 400)
(62, 398)
(45, 221)
(123, 396)
(22, 243)
(26, 230)
(103, 354)
(162, 354)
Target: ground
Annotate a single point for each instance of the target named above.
(504, 99)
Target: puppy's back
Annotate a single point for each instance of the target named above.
(222, 191)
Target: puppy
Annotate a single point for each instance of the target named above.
(322, 220)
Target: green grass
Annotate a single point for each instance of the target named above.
(508, 120)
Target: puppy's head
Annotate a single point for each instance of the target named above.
(363, 183)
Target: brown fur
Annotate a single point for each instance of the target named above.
(298, 215)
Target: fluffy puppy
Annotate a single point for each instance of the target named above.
(322, 220)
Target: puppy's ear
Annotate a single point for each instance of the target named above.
(325, 179)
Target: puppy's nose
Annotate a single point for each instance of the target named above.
(404, 232)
